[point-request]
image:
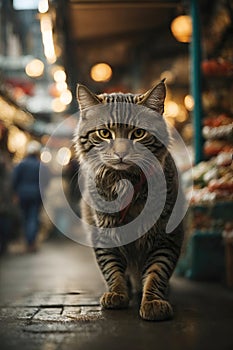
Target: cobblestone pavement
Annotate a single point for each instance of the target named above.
(50, 301)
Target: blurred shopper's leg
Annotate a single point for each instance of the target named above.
(31, 211)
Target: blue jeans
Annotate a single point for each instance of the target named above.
(30, 212)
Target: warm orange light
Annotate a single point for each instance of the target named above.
(57, 105)
(43, 6)
(171, 109)
(61, 86)
(34, 68)
(181, 28)
(182, 116)
(66, 97)
(59, 75)
(101, 72)
(16, 140)
(46, 27)
(189, 102)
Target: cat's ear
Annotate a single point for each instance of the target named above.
(86, 98)
(154, 98)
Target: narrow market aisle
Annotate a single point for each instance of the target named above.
(49, 300)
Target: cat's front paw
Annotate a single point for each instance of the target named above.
(112, 300)
(156, 310)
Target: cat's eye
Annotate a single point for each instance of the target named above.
(138, 134)
(104, 133)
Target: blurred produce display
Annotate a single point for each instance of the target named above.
(212, 181)
(218, 133)
(217, 67)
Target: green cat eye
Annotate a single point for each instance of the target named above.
(138, 133)
(104, 133)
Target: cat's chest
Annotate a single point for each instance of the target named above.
(131, 211)
(138, 251)
(130, 206)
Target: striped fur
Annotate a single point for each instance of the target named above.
(149, 261)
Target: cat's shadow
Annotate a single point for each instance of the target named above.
(135, 299)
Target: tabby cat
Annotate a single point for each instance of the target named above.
(107, 146)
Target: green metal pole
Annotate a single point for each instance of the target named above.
(195, 50)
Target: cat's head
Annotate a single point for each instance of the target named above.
(113, 126)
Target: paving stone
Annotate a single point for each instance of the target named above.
(81, 325)
(56, 299)
(71, 312)
(46, 299)
(81, 300)
(51, 327)
(33, 300)
(68, 314)
(49, 314)
(91, 309)
(83, 313)
(18, 313)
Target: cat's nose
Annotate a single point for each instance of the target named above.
(121, 148)
(120, 155)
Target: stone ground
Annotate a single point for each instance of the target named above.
(49, 300)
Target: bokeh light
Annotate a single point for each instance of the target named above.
(189, 102)
(34, 68)
(181, 28)
(63, 156)
(171, 109)
(46, 156)
(59, 75)
(43, 6)
(57, 105)
(101, 72)
(66, 97)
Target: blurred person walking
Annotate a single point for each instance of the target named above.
(28, 188)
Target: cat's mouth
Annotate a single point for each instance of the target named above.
(121, 165)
